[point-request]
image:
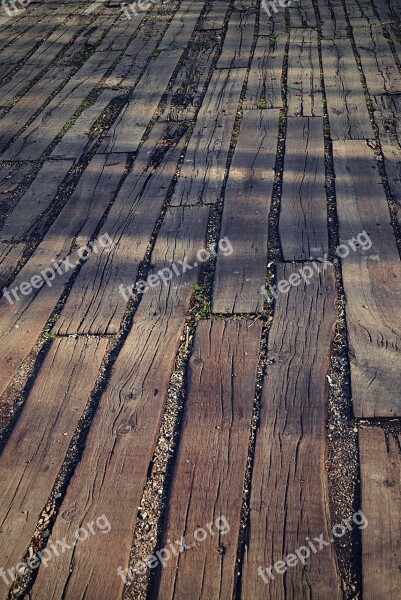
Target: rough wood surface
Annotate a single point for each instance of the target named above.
(303, 216)
(381, 499)
(245, 221)
(303, 81)
(22, 323)
(95, 303)
(214, 439)
(215, 15)
(202, 173)
(264, 80)
(289, 497)
(388, 109)
(9, 257)
(182, 25)
(236, 51)
(121, 440)
(34, 453)
(302, 14)
(346, 105)
(372, 282)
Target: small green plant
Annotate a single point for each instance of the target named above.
(155, 53)
(203, 304)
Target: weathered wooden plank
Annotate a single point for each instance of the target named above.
(96, 303)
(289, 490)
(9, 257)
(333, 20)
(20, 114)
(303, 217)
(214, 439)
(302, 14)
(12, 175)
(271, 22)
(122, 437)
(372, 282)
(264, 81)
(21, 324)
(34, 453)
(182, 25)
(245, 221)
(79, 139)
(381, 500)
(304, 86)
(388, 109)
(202, 173)
(215, 15)
(236, 51)
(379, 67)
(121, 32)
(36, 138)
(348, 113)
(31, 211)
(361, 9)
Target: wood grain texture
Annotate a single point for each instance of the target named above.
(303, 217)
(96, 303)
(381, 500)
(9, 257)
(236, 51)
(182, 25)
(202, 173)
(32, 210)
(304, 92)
(22, 323)
(388, 108)
(372, 282)
(245, 222)
(121, 440)
(215, 15)
(264, 81)
(302, 14)
(346, 105)
(34, 453)
(333, 20)
(289, 497)
(214, 439)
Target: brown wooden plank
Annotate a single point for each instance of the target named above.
(12, 176)
(95, 303)
(372, 282)
(264, 81)
(289, 490)
(304, 91)
(9, 257)
(22, 323)
(303, 218)
(214, 440)
(245, 221)
(32, 210)
(33, 455)
(34, 140)
(348, 113)
(378, 64)
(121, 440)
(202, 173)
(381, 500)
(388, 109)
(236, 51)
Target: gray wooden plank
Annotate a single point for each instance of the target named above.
(289, 488)
(9, 257)
(372, 282)
(236, 51)
(381, 499)
(245, 222)
(215, 15)
(388, 109)
(214, 440)
(34, 453)
(264, 80)
(304, 90)
(182, 25)
(123, 434)
(303, 216)
(202, 173)
(302, 14)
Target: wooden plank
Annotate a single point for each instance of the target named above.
(214, 439)
(124, 431)
(264, 81)
(121, 32)
(95, 303)
(182, 26)
(245, 221)
(12, 176)
(379, 67)
(33, 455)
(333, 20)
(289, 490)
(381, 499)
(202, 173)
(361, 9)
(80, 139)
(372, 283)
(21, 324)
(348, 113)
(388, 109)
(304, 91)
(20, 114)
(271, 22)
(9, 257)
(36, 138)
(303, 217)
(236, 51)
(32, 211)
(215, 15)
(302, 14)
